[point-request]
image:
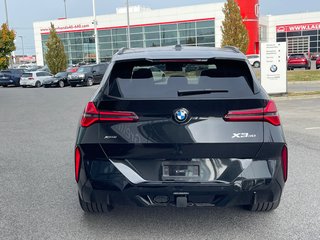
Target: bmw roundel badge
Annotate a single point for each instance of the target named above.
(273, 68)
(181, 115)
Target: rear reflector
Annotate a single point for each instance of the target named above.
(30, 78)
(77, 163)
(284, 162)
(267, 114)
(92, 115)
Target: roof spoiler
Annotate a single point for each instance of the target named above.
(235, 49)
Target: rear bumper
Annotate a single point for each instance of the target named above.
(77, 81)
(297, 65)
(251, 185)
(8, 82)
(150, 195)
(28, 83)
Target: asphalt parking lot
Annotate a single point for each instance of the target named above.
(38, 194)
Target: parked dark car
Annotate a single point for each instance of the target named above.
(87, 75)
(209, 140)
(10, 77)
(58, 80)
(298, 60)
(318, 63)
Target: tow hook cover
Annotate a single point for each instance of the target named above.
(181, 202)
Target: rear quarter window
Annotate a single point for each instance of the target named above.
(163, 80)
(26, 75)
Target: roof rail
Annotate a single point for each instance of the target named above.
(235, 49)
(122, 50)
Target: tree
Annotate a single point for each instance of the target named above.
(234, 32)
(55, 56)
(7, 45)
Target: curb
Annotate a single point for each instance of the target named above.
(300, 97)
(304, 82)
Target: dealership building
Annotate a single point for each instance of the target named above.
(196, 25)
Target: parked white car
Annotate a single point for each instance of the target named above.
(34, 79)
(254, 60)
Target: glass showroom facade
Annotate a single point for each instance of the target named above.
(80, 46)
(301, 41)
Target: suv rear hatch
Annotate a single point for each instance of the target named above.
(140, 118)
(297, 59)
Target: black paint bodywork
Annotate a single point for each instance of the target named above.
(95, 73)
(54, 81)
(128, 169)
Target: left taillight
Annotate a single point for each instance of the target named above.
(77, 163)
(92, 115)
(267, 114)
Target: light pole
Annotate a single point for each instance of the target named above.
(22, 45)
(6, 9)
(95, 23)
(128, 26)
(65, 8)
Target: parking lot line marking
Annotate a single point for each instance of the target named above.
(313, 128)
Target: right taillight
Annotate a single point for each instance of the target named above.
(284, 162)
(91, 115)
(267, 114)
(77, 162)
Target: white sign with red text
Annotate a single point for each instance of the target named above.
(274, 67)
(298, 27)
(67, 28)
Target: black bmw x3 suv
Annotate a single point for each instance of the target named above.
(203, 133)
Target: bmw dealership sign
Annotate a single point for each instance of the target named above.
(274, 67)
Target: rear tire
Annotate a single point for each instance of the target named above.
(23, 86)
(263, 207)
(256, 64)
(89, 82)
(38, 84)
(94, 207)
(4, 85)
(61, 83)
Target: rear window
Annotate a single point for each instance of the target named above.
(61, 74)
(86, 69)
(297, 56)
(180, 79)
(252, 56)
(26, 75)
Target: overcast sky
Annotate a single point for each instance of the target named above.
(23, 13)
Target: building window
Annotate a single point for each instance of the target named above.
(80, 46)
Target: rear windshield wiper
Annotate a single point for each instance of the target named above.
(199, 91)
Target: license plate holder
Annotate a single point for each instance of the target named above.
(180, 170)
